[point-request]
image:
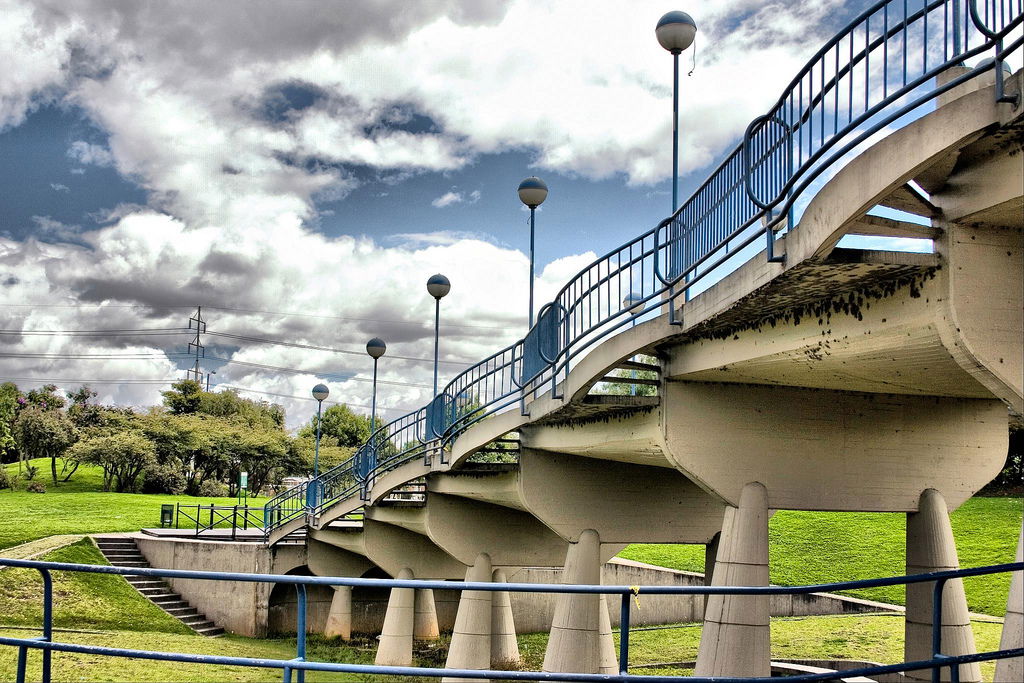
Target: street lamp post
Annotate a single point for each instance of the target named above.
(437, 286)
(375, 348)
(675, 32)
(320, 392)
(532, 192)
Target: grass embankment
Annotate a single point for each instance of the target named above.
(80, 506)
(825, 547)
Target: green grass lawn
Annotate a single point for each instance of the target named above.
(79, 506)
(824, 547)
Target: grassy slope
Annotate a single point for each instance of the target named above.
(820, 547)
(80, 506)
(87, 601)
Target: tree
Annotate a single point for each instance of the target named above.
(340, 427)
(45, 397)
(8, 411)
(190, 443)
(44, 432)
(184, 398)
(123, 457)
(229, 404)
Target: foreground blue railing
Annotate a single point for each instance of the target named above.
(300, 665)
(877, 70)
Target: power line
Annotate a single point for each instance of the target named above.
(100, 356)
(340, 375)
(54, 380)
(310, 398)
(296, 345)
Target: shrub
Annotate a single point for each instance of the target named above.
(163, 479)
(36, 487)
(212, 489)
(6, 480)
(30, 472)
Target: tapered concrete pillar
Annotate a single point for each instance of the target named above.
(425, 616)
(735, 639)
(395, 646)
(609, 657)
(930, 548)
(339, 619)
(575, 642)
(504, 646)
(710, 555)
(471, 637)
(1012, 670)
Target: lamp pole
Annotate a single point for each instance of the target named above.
(675, 31)
(532, 192)
(437, 286)
(320, 392)
(375, 348)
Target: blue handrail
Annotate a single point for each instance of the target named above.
(626, 594)
(872, 73)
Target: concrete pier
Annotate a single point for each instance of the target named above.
(471, 638)
(425, 616)
(574, 645)
(504, 646)
(736, 637)
(931, 548)
(1012, 670)
(395, 646)
(339, 619)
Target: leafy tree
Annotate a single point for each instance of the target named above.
(258, 452)
(191, 443)
(184, 397)
(45, 397)
(44, 433)
(8, 411)
(340, 427)
(123, 457)
(229, 404)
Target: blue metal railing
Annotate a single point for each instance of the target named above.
(874, 72)
(300, 665)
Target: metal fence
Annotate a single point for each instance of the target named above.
(299, 665)
(878, 70)
(208, 517)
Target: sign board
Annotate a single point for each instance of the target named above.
(243, 480)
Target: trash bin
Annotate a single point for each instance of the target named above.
(166, 515)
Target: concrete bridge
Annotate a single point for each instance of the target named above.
(833, 378)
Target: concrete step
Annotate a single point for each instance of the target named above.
(194, 619)
(173, 604)
(181, 612)
(210, 632)
(147, 583)
(153, 591)
(163, 598)
(129, 563)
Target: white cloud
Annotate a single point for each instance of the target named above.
(233, 182)
(59, 187)
(88, 153)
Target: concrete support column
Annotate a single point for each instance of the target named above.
(1012, 670)
(710, 554)
(471, 638)
(735, 640)
(609, 656)
(395, 646)
(504, 647)
(425, 616)
(339, 619)
(575, 644)
(930, 548)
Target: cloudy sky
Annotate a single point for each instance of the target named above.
(300, 168)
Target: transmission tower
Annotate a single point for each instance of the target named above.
(197, 323)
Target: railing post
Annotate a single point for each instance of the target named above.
(47, 621)
(22, 661)
(234, 521)
(300, 639)
(937, 631)
(624, 635)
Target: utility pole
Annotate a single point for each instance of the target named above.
(196, 322)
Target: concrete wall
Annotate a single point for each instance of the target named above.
(238, 607)
(255, 609)
(533, 611)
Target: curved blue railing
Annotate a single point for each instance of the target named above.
(874, 72)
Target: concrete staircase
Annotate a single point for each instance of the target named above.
(122, 552)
